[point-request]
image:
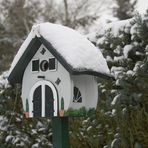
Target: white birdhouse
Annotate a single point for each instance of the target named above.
(57, 68)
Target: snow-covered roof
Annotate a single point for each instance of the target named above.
(75, 48)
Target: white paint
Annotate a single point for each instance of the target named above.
(89, 91)
(42, 84)
(43, 100)
(87, 85)
(64, 89)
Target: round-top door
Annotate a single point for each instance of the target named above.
(43, 100)
(37, 102)
(49, 102)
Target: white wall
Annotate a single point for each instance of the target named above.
(30, 78)
(89, 90)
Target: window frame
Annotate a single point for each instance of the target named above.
(56, 64)
(35, 59)
(41, 66)
(75, 87)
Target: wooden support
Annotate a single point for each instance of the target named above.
(60, 132)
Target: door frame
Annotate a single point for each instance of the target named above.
(55, 95)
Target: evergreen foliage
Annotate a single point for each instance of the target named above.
(124, 9)
(17, 20)
(15, 129)
(122, 114)
(127, 57)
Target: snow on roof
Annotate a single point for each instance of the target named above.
(75, 48)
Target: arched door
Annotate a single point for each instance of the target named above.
(37, 102)
(43, 100)
(49, 102)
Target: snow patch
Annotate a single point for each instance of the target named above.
(3, 123)
(118, 58)
(36, 145)
(115, 100)
(130, 72)
(116, 71)
(113, 111)
(118, 26)
(109, 58)
(3, 80)
(9, 138)
(127, 49)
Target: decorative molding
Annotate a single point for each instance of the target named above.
(42, 83)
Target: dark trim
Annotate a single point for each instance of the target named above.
(54, 52)
(17, 73)
(94, 73)
(68, 67)
(42, 77)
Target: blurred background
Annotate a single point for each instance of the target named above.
(119, 28)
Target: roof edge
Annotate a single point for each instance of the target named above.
(68, 67)
(94, 73)
(54, 52)
(18, 71)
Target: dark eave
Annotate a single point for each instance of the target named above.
(68, 67)
(94, 73)
(54, 52)
(17, 73)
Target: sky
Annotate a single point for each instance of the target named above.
(142, 5)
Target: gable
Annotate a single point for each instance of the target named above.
(43, 61)
(59, 77)
(17, 73)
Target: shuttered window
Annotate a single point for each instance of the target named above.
(52, 64)
(35, 65)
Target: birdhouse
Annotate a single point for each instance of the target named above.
(58, 70)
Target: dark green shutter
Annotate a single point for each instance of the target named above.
(49, 100)
(37, 103)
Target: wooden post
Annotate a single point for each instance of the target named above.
(60, 132)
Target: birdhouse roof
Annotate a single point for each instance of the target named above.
(73, 50)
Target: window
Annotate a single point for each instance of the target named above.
(52, 64)
(35, 65)
(77, 95)
(44, 65)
